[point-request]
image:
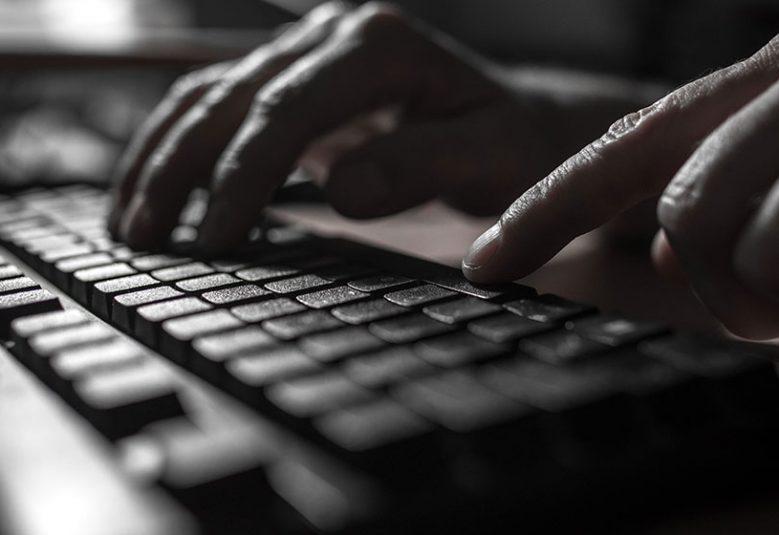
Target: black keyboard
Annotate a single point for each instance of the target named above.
(311, 384)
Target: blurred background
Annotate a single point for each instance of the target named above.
(77, 76)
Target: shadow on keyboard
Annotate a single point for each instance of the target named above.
(311, 384)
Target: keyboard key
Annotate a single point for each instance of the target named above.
(453, 350)
(343, 272)
(378, 283)
(615, 331)
(179, 332)
(331, 297)
(372, 426)
(70, 365)
(506, 327)
(64, 269)
(408, 328)
(149, 317)
(314, 395)
(268, 366)
(419, 295)
(458, 402)
(206, 282)
(213, 350)
(30, 325)
(84, 278)
(236, 294)
(273, 308)
(121, 401)
(385, 367)
(47, 343)
(367, 311)
(124, 306)
(157, 261)
(551, 388)
(698, 356)
(297, 284)
(561, 347)
(17, 283)
(9, 271)
(185, 271)
(334, 345)
(547, 308)
(104, 292)
(266, 273)
(460, 310)
(78, 249)
(27, 303)
(289, 327)
(458, 283)
(198, 464)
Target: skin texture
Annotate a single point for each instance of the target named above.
(384, 111)
(708, 151)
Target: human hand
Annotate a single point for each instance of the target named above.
(241, 128)
(708, 150)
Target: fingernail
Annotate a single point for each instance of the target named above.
(361, 185)
(483, 249)
(135, 226)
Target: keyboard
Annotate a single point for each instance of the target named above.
(317, 385)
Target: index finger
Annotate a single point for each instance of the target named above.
(631, 162)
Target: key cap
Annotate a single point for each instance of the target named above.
(547, 308)
(157, 261)
(9, 271)
(213, 350)
(458, 402)
(26, 303)
(290, 327)
(561, 347)
(452, 350)
(408, 328)
(179, 332)
(386, 367)
(506, 327)
(29, 325)
(419, 295)
(459, 310)
(367, 311)
(272, 308)
(615, 331)
(343, 272)
(266, 273)
(72, 364)
(372, 427)
(17, 283)
(64, 269)
(236, 294)
(149, 317)
(698, 356)
(252, 373)
(314, 395)
(185, 271)
(206, 282)
(378, 283)
(334, 345)
(104, 292)
(123, 306)
(121, 401)
(83, 279)
(46, 343)
(195, 465)
(297, 284)
(458, 283)
(331, 297)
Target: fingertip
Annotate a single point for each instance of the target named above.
(665, 261)
(137, 225)
(478, 264)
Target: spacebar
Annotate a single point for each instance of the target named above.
(46, 453)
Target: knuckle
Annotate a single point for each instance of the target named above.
(328, 10)
(379, 20)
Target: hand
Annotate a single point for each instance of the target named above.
(241, 128)
(709, 151)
